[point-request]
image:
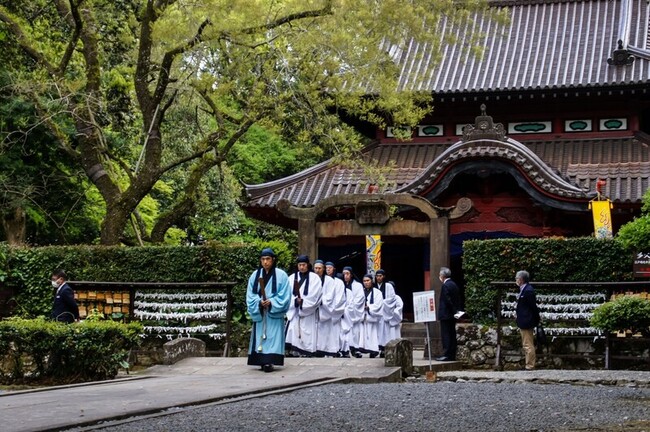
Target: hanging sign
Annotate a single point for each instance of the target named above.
(373, 253)
(601, 211)
(424, 306)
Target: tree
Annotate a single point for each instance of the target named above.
(635, 235)
(134, 91)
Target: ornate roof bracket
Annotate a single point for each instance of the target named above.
(620, 56)
(483, 128)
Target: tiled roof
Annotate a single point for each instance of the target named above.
(568, 164)
(546, 45)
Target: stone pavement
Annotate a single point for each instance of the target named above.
(210, 379)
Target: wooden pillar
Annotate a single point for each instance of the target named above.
(307, 243)
(439, 257)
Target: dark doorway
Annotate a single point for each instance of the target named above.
(404, 259)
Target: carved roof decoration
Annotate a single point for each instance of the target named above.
(484, 128)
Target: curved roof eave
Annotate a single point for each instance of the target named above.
(539, 174)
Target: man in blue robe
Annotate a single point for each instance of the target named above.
(268, 297)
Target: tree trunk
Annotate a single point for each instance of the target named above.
(15, 227)
(169, 218)
(113, 225)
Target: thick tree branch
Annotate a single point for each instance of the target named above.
(325, 10)
(62, 7)
(74, 19)
(243, 128)
(23, 40)
(170, 56)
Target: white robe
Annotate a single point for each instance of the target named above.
(329, 316)
(369, 325)
(388, 308)
(302, 322)
(354, 303)
(395, 322)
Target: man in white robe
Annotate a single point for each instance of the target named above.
(302, 316)
(354, 309)
(395, 322)
(330, 313)
(267, 299)
(369, 326)
(388, 308)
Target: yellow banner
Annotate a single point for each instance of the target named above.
(602, 214)
(373, 253)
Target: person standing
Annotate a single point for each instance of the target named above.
(268, 297)
(527, 317)
(448, 306)
(354, 309)
(64, 307)
(395, 322)
(369, 326)
(329, 313)
(388, 308)
(302, 316)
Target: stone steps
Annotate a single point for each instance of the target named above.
(416, 333)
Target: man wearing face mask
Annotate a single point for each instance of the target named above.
(65, 307)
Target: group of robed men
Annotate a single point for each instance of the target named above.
(327, 314)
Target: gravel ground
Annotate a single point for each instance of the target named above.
(420, 406)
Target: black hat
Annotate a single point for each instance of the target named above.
(348, 268)
(267, 252)
(380, 271)
(319, 261)
(330, 263)
(302, 259)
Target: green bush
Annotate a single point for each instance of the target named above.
(624, 313)
(40, 350)
(548, 260)
(27, 270)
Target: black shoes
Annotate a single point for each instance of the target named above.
(267, 368)
(374, 355)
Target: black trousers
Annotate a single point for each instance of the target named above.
(448, 336)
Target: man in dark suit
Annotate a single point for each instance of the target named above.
(527, 316)
(65, 307)
(448, 306)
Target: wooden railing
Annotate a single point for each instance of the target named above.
(565, 309)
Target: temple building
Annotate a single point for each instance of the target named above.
(554, 115)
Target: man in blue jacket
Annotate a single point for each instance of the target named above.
(65, 308)
(527, 316)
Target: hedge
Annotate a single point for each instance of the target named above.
(26, 271)
(38, 350)
(548, 260)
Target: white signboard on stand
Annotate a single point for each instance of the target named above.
(424, 306)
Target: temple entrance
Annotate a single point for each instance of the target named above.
(405, 259)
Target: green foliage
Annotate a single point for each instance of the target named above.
(28, 269)
(38, 349)
(624, 313)
(548, 260)
(635, 235)
(167, 93)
